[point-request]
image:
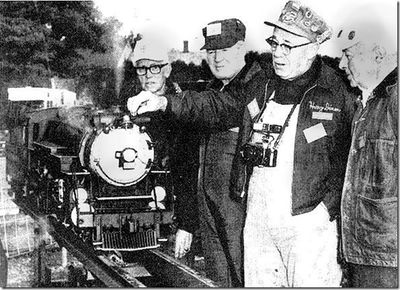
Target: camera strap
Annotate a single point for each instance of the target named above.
(278, 139)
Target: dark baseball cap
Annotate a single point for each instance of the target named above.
(223, 33)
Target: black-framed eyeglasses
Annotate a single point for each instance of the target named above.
(286, 49)
(154, 69)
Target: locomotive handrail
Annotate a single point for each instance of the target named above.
(49, 145)
(75, 173)
(123, 197)
(160, 171)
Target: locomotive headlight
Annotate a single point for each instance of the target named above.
(82, 216)
(158, 193)
(80, 193)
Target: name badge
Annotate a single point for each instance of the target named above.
(253, 108)
(322, 115)
(315, 132)
(235, 129)
(213, 29)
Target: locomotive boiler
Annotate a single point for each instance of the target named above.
(98, 171)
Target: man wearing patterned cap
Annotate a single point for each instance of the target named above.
(369, 205)
(216, 113)
(297, 148)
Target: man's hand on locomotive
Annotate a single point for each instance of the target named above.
(146, 101)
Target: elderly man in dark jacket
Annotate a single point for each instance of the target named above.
(370, 193)
(301, 130)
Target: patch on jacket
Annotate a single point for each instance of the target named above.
(324, 108)
(314, 132)
(322, 116)
(253, 108)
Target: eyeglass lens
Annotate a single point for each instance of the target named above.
(154, 69)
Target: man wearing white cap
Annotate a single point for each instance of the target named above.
(370, 194)
(152, 67)
(217, 112)
(151, 63)
(295, 156)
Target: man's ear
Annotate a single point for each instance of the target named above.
(379, 53)
(167, 70)
(241, 45)
(313, 50)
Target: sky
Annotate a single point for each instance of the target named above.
(180, 20)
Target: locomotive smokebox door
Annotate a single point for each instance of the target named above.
(121, 156)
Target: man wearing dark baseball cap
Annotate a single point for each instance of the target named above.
(224, 41)
(293, 196)
(217, 112)
(221, 218)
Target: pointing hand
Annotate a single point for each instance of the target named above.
(146, 102)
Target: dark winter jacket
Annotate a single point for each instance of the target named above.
(370, 194)
(319, 166)
(225, 106)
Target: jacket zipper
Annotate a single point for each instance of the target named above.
(302, 99)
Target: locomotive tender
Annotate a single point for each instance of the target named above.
(97, 171)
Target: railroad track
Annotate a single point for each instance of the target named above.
(164, 270)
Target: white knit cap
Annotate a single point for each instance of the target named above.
(150, 47)
(366, 27)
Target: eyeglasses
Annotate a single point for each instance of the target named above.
(154, 69)
(286, 49)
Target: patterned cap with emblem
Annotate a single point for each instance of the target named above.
(223, 33)
(302, 21)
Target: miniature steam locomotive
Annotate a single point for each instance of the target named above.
(97, 171)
